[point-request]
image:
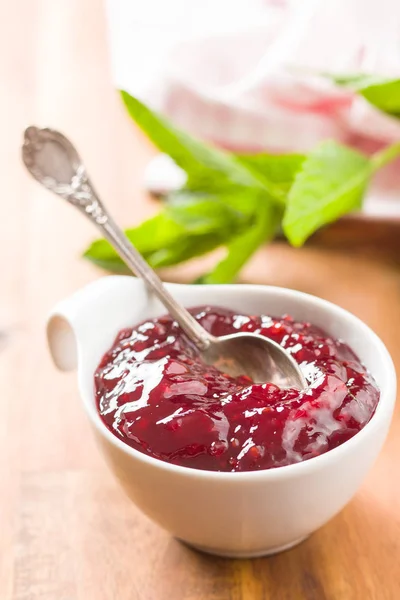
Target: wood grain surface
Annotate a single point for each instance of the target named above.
(67, 532)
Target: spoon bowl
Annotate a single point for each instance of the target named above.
(248, 354)
(54, 162)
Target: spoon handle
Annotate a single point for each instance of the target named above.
(54, 162)
(134, 260)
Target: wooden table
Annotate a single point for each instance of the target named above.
(67, 531)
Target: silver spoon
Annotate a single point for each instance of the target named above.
(53, 161)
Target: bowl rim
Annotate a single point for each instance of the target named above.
(382, 413)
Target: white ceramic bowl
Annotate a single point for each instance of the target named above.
(231, 514)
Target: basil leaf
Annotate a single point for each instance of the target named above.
(331, 182)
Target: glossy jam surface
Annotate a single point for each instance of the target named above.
(154, 392)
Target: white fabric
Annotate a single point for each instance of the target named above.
(238, 71)
(241, 72)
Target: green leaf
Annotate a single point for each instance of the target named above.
(176, 251)
(244, 202)
(159, 231)
(190, 225)
(382, 93)
(236, 201)
(279, 170)
(204, 164)
(188, 248)
(243, 246)
(202, 213)
(331, 182)
(351, 81)
(112, 264)
(385, 156)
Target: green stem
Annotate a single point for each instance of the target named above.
(385, 156)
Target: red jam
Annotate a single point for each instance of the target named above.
(154, 392)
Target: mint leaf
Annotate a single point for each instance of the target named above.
(112, 264)
(157, 232)
(382, 93)
(244, 202)
(331, 183)
(205, 213)
(385, 156)
(279, 170)
(201, 161)
(208, 169)
(236, 201)
(190, 225)
(187, 248)
(351, 81)
(243, 246)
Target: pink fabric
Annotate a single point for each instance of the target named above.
(242, 76)
(241, 72)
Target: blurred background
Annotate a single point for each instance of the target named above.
(248, 76)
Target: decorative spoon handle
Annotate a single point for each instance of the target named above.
(54, 162)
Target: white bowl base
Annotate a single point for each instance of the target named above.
(239, 554)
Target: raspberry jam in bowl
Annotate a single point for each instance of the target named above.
(155, 393)
(228, 466)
